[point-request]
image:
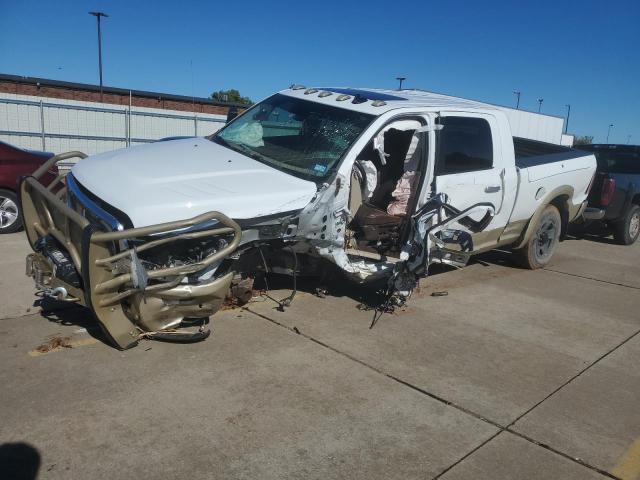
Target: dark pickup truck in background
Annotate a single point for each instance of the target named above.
(615, 195)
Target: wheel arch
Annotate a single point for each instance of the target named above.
(559, 198)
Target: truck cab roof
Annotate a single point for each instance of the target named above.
(377, 101)
(374, 101)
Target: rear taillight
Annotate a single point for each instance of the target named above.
(608, 188)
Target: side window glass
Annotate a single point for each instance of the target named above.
(464, 145)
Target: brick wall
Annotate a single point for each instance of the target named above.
(109, 97)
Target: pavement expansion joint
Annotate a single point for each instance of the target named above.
(591, 278)
(597, 360)
(502, 428)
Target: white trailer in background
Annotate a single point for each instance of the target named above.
(60, 125)
(524, 124)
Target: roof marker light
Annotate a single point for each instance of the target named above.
(325, 94)
(297, 87)
(342, 98)
(310, 90)
(378, 103)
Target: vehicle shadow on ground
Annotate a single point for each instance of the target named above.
(70, 315)
(333, 284)
(501, 257)
(593, 233)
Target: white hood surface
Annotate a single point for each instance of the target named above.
(179, 179)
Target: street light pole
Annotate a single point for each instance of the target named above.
(400, 79)
(628, 139)
(566, 125)
(608, 132)
(98, 15)
(517, 93)
(540, 100)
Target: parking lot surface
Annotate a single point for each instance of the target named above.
(513, 374)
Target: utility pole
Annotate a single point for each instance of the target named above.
(566, 125)
(628, 139)
(608, 132)
(98, 15)
(517, 93)
(540, 100)
(400, 79)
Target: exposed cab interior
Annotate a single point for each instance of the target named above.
(384, 183)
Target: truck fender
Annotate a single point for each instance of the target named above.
(631, 194)
(560, 197)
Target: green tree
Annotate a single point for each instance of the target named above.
(583, 140)
(232, 96)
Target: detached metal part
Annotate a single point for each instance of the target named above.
(130, 302)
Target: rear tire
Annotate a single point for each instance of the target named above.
(542, 245)
(10, 213)
(627, 230)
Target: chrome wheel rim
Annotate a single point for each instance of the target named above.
(634, 225)
(8, 212)
(546, 237)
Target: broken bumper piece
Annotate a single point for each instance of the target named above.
(108, 271)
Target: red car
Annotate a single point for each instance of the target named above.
(15, 163)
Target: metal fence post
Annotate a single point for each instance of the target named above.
(195, 125)
(44, 147)
(127, 141)
(129, 124)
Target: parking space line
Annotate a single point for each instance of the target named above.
(628, 467)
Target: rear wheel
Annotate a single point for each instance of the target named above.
(542, 245)
(627, 230)
(10, 214)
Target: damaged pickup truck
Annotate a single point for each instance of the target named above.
(376, 184)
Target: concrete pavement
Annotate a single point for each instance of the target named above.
(514, 374)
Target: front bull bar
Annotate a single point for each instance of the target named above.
(98, 255)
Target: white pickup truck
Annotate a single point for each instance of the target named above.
(376, 184)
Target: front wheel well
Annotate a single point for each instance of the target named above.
(636, 199)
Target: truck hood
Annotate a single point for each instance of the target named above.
(179, 179)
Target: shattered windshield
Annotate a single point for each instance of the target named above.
(303, 138)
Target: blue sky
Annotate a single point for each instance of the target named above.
(584, 53)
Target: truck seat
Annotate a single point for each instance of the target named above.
(374, 224)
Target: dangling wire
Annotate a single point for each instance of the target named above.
(266, 269)
(285, 302)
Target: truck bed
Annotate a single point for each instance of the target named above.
(543, 160)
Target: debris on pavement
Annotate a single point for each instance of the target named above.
(54, 343)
